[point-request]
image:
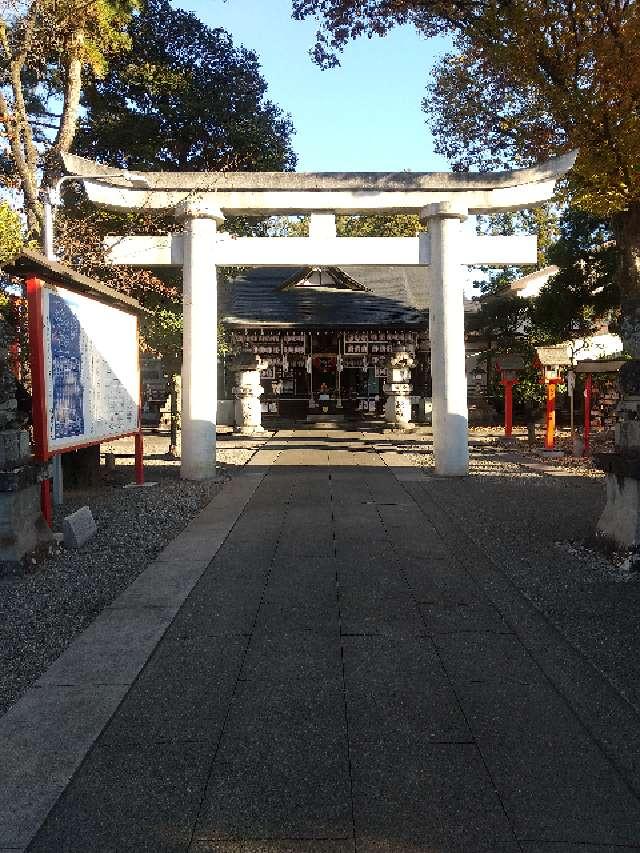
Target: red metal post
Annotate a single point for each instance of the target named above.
(508, 405)
(46, 504)
(587, 414)
(38, 404)
(139, 443)
(550, 426)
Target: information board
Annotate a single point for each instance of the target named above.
(91, 370)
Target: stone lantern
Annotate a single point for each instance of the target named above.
(620, 520)
(397, 409)
(247, 390)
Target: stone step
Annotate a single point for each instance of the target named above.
(325, 419)
(324, 425)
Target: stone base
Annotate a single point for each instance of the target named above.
(249, 430)
(14, 447)
(482, 414)
(325, 418)
(23, 530)
(398, 429)
(620, 520)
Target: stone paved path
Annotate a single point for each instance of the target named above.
(352, 674)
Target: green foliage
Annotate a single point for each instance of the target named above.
(503, 317)
(11, 237)
(162, 333)
(397, 225)
(529, 394)
(585, 290)
(184, 98)
(526, 79)
(542, 221)
(46, 49)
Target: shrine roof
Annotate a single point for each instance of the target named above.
(384, 296)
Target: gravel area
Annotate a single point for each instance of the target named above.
(41, 612)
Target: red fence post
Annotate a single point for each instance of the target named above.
(508, 405)
(587, 414)
(550, 427)
(139, 444)
(38, 402)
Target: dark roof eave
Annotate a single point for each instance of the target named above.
(30, 263)
(238, 323)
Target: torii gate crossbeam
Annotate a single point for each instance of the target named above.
(202, 200)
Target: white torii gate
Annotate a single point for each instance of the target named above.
(202, 200)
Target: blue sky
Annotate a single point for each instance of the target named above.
(365, 115)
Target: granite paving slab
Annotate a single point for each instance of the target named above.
(43, 737)
(113, 649)
(487, 657)
(282, 767)
(378, 606)
(282, 845)
(562, 847)
(129, 799)
(24, 809)
(423, 796)
(281, 658)
(397, 689)
(216, 608)
(443, 618)
(556, 785)
(182, 694)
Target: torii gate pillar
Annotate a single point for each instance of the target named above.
(200, 339)
(446, 333)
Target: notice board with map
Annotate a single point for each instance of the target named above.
(91, 370)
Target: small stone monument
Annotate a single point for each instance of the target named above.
(247, 391)
(22, 527)
(78, 527)
(397, 409)
(620, 520)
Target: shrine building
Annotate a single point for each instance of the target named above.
(327, 334)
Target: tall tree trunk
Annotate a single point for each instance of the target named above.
(626, 227)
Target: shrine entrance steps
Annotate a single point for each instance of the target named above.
(354, 672)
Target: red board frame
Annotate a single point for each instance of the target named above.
(35, 287)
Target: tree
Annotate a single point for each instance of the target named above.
(396, 225)
(10, 234)
(46, 46)
(527, 78)
(184, 98)
(585, 290)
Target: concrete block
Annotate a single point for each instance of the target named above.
(78, 528)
